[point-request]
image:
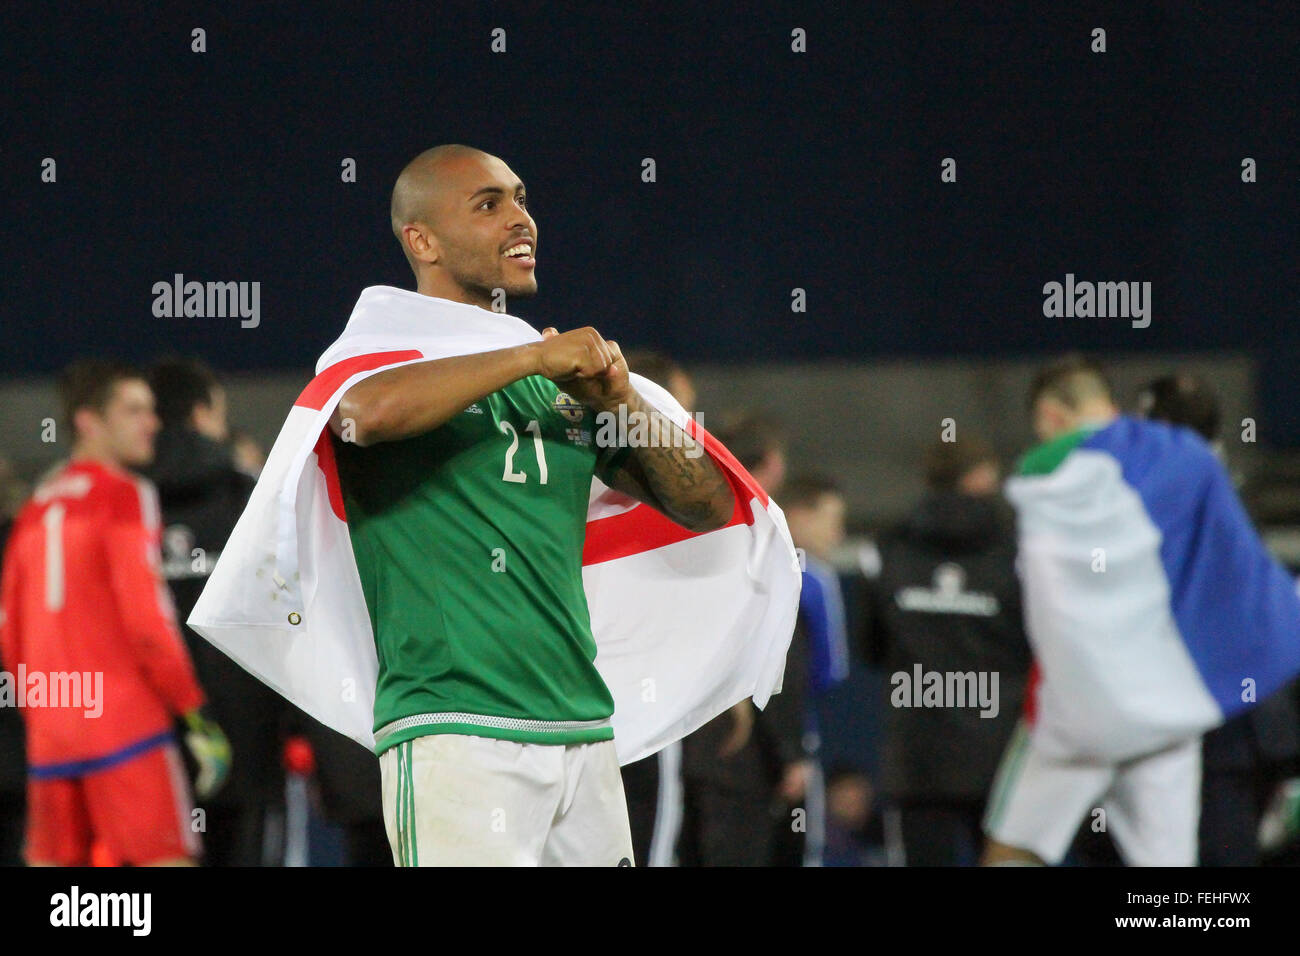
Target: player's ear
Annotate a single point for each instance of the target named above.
(85, 420)
(421, 242)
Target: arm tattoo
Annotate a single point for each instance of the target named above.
(672, 473)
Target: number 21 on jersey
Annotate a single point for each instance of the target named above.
(509, 474)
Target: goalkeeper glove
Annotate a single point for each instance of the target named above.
(211, 751)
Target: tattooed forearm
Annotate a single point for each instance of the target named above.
(673, 473)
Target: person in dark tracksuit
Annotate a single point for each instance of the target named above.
(815, 512)
(732, 801)
(656, 787)
(943, 597)
(732, 768)
(202, 495)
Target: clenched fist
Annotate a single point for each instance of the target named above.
(587, 366)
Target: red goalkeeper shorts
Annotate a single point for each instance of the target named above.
(138, 810)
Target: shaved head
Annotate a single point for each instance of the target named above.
(418, 184)
(461, 218)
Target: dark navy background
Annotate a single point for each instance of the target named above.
(775, 170)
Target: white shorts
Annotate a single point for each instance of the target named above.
(459, 800)
(1151, 804)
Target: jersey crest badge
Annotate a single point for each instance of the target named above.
(566, 406)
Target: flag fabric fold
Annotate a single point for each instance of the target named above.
(685, 624)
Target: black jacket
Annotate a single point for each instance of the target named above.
(947, 598)
(202, 496)
(777, 738)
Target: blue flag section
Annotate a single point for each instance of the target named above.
(1236, 608)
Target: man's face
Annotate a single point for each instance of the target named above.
(1052, 417)
(770, 471)
(129, 424)
(479, 217)
(980, 481)
(819, 529)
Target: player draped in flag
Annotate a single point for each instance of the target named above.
(466, 483)
(1154, 612)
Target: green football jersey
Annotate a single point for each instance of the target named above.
(468, 540)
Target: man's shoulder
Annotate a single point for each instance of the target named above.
(1047, 457)
(128, 497)
(93, 485)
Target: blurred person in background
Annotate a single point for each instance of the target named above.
(943, 596)
(758, 441)
(850, 815)
(814, 510)
(733, 766)
(1154, 612)
(1244, 760)
(664, 371)
(653, 785)
(83, 596)
(13, 762)
(202, 495)
(1183, 398)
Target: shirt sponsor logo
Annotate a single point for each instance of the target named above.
(947, 595)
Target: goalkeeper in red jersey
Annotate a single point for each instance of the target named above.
(89, 640)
